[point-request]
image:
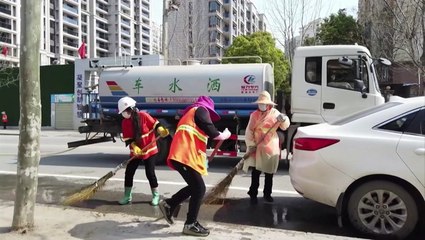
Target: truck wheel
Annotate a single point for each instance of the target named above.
(84, 129)
(163, 145)
(382, 209)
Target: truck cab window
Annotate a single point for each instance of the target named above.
(313, 70)
(340, 76)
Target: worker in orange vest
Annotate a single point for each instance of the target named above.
(188, 156)
(4, 119)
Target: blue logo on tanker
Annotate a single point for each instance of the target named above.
(249, 79)
(311, 92)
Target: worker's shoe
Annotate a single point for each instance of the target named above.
(195, 229)
(127, 196)
(176, 211)
(252, 198)
(268, 198)
(166, 211)
(155, 197)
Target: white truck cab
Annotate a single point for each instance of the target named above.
(331, 81)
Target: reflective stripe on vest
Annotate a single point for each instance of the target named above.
(189, 144)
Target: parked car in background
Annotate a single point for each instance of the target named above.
(370, 166)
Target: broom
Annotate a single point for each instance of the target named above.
(223, 186)
(88, 191)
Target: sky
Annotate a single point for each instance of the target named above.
(328, 7)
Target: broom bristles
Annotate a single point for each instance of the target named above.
(88, 191)
(222, 187)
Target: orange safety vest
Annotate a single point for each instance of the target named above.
(189, 144)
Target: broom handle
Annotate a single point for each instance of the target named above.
(124, 164)
(216, 148)
(246, 155)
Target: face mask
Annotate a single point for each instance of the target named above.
(126, 114)
(262, 107)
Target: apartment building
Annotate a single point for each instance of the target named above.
(108, 28)
(203, 29)
(156, 38)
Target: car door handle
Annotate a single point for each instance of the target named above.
(420, 151)
(328, 105)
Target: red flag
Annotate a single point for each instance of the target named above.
(4, 51)
(82, 50)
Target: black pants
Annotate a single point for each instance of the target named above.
(195, 190)
(4, 125)
(130, 170)
(255, 183)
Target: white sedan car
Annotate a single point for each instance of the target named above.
(370, 166)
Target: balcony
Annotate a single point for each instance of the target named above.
(70, 9)
(125, 4)
(145, 31)
(70, 43)
(102, 36)
(6, 25)
(70, 21)
(103, 46)
(6, 40)
(6, 11)
(216, 42)
(71, 33)
(126, 23)
(126, 41)
(73, 1)
(102, 9)
(125, 31)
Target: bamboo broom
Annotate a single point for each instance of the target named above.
(88, 191)
(222, 187)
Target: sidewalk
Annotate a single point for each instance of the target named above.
(53, 222)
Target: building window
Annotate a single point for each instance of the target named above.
(213, 21)
(213, 6)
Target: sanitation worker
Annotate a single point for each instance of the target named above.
(138, 130)
(188, 156)
(4, 119)
(264, 146)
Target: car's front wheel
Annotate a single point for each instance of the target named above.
(382, 209)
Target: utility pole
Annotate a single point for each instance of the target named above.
(167, 6)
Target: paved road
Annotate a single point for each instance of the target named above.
(62, 171)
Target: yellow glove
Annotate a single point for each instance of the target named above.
(163, 132)
(136, 150)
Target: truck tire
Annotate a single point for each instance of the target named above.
(163, 145)
(382, 209)
(84, 129)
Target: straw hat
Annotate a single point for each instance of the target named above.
(265, 98)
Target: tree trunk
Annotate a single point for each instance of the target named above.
(30, 116)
